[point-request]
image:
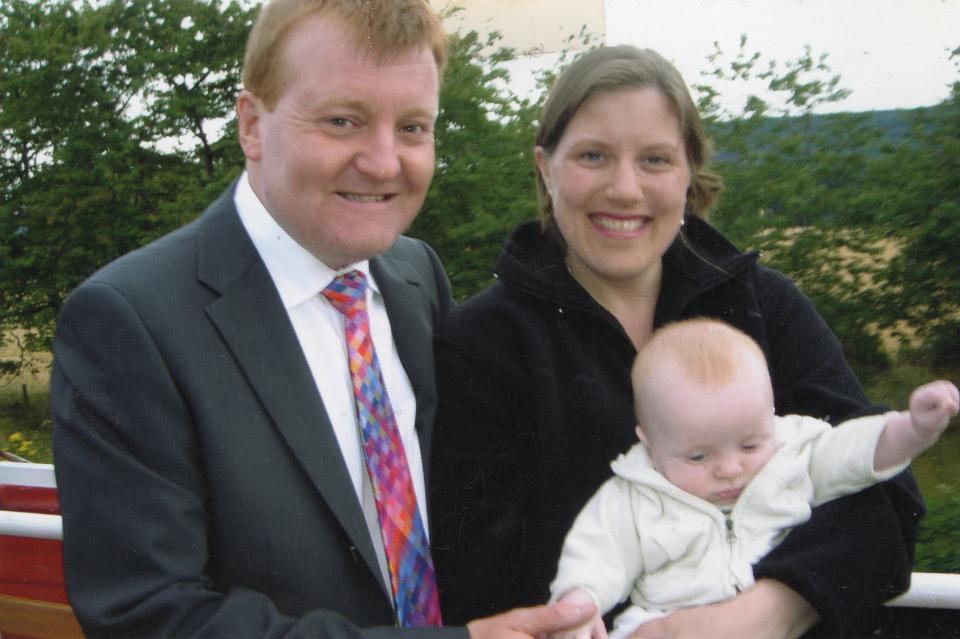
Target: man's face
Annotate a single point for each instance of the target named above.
(344, 160)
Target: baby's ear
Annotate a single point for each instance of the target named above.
(640, 435)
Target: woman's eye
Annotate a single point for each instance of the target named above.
(592, 156)
(696, 459)
(655, 161)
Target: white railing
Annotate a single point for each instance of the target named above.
(30, 525)
(930, 590)
(20, 524)
(927, 589)
(18, 474)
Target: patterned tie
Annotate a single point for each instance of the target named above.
(408, 555)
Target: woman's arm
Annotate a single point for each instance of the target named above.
(482, 462)
(769, 610)
(856, 552)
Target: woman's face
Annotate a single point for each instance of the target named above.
(618, 180)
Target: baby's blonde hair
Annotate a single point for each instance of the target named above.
(705, 351)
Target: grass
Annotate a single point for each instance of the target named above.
(25, 414)
(935, 469)
(24, 402)
(938, 475)
(25, 428)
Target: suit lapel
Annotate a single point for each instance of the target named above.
(413, 335)
(252, 321)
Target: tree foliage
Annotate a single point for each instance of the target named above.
(789, 177)
(484, 180)
(117, 125)
(89, 97)
(827, 198)
(483, 183)
(922, 177)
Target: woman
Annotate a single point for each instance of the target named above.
(534, 371)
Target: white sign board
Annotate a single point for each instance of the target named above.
(528, 26)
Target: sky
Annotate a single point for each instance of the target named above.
(889, 53)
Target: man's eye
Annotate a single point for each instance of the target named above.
(696, 459)
(340, 122)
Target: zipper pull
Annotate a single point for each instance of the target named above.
(731, 536)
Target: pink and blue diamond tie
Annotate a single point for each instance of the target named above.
(408, 555)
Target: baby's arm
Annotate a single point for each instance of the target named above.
(593, 629)
(908, 434)
(601, 556)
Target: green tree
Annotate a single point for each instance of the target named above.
(793, 183)
(771, 153)
(116, 125)
(839, 270)
(484, 180)
(922, 206)
(111, 129)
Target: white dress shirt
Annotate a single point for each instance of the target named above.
(299, 278)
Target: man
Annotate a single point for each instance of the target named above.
(206, 433)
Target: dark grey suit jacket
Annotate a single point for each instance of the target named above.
(202, 487)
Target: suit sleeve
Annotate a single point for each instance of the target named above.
(856, 552)
(135, 511)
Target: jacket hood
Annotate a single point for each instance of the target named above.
(533, 261)
(636, 467)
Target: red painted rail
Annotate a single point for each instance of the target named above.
(33, 600)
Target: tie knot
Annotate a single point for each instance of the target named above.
(347, 292)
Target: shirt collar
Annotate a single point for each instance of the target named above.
(297, 274)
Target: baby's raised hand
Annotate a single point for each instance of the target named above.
(932, 406)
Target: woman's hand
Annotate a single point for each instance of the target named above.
(769, 610)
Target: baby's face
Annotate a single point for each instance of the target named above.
(711, 442)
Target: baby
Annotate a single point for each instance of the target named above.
(717, 479)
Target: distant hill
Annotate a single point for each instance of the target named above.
(889, 127)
